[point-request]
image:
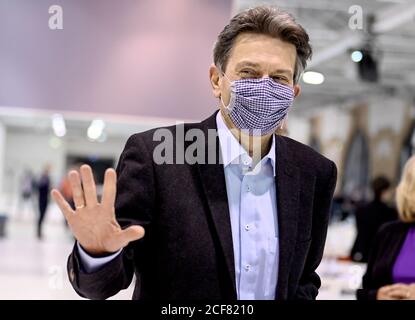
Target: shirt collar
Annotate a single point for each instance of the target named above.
(231, 149)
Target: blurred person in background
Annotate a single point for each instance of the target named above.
(390, 272)
(27, 185)
(370, 217)
(43, 188)
(337, 208)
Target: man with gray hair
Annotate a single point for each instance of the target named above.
(250, 225)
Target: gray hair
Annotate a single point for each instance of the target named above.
(264, 20)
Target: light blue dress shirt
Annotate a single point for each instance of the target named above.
(253, 213)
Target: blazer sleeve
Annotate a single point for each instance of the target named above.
(368, 292)
(134, 205)
(310, 281)
(369, 284)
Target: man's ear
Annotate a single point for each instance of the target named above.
(214, 80)
(297, 90)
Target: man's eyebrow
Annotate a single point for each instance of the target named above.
(242, 64)
(246, 64)
(280, 71)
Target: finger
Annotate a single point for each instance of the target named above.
(110, 188)
(62, 204)
(77, 192)
(399, 286)
(132, 233)
(90, 192)
(397, 297)
(392, 287)
(398, 293)
(386, 289)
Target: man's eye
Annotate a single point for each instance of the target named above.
(279, 79)
(247, 72)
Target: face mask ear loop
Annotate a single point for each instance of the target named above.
(228, 107)
(283, 122)
(223, 103)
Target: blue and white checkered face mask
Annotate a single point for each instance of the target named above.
(259, 105)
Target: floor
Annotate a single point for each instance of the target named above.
(33, 269)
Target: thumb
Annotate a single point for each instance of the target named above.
(133, 233)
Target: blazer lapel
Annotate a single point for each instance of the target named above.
(288, 187)
(214, 187)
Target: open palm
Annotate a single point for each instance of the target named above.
(92, 223)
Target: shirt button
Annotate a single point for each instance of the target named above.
(246, 160)
(247, 227)
(247, 267)
(248, 188)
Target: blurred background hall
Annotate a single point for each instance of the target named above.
(74, 95)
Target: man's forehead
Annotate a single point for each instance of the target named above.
(248, 38)
(261, 49)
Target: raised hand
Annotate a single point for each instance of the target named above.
(92, 223)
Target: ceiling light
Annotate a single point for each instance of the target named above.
(357, 56)
(58, 125)
(96, 129)
(312, 77)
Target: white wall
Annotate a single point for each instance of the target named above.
(2, 153)
(335, 126)
(3, 204)
(32, 151)
(299, 129)
(386, 113)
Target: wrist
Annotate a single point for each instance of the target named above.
(94, 253)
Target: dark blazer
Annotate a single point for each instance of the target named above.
(385, 249)
(369, 218)
(187, 251)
